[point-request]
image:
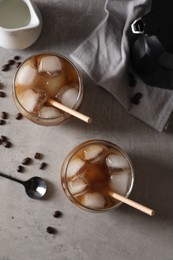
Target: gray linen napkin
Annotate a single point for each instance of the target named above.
(104, 56)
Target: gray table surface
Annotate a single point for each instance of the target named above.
(122, 234)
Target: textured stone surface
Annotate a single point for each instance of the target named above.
(122, 234)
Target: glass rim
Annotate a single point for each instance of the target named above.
(75, 150)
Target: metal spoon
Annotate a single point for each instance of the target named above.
(35, 187)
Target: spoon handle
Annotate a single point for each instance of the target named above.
(10, 178)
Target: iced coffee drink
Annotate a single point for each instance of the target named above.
(92, 171)
(45, 77)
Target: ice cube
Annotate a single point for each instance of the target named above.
(77, 185)
(68, 94)
(49, 112)
(117, 161)
(94, 200)
(74, 166)
(50, 64)
(119, 182)
(92, 151)
(69, 97)
(26, 75)
(53, 84)
(31, 100)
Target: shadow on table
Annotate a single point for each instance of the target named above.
(169, 128)
(63, 24)
(153, 186)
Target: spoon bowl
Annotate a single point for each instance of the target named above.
(35, 187)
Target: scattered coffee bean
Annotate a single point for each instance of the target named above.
(7, 144)
(38, 156)
(5, 67)
(19, 116)
(4, 115)
(57, 214)
(138, 95)
(5, 141)
(26, 161)
(2, 94)
(51, 230)
(20, 168)
(131, 79)
(4, 138)
(2, 122)
(43, 165)
(1, 142)
(16, 57)
(136, 99)
(11, 62)
(18, 64)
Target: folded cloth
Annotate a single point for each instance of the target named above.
(104, 56)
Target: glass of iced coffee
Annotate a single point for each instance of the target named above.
(44, 77)
(92, 171)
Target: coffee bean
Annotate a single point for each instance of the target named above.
(11, 62)
(4, 115)
(18, 64)
(19, 116)
(134, 101)
(136, 98)
(5, 141)
(26, 161)
(38, 156)
(43, 165)
(131, 79)
(4, 138)
(7, 144)
(5, 67)
(1, 142)
(2, 122)
(57, 214)
(16, 57)
(51, 230)
(138, 95)
(2, 94)
(20, 168)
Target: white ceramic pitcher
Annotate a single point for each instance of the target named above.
(20, 24)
